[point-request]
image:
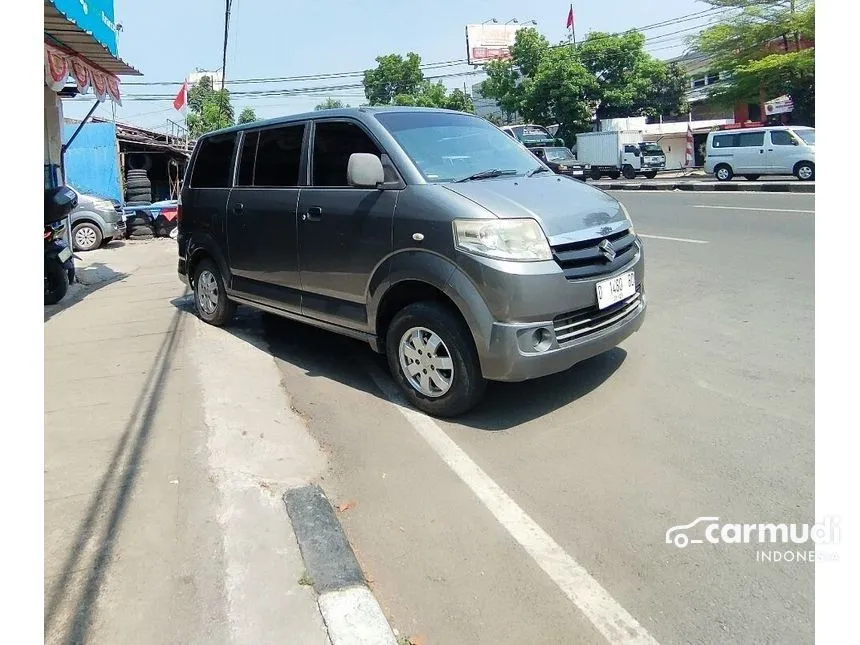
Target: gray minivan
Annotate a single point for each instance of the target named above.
(428, 233)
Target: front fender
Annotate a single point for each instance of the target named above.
(440, 272)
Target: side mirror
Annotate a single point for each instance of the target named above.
(795, 142)
(59, 202)
(364, 170)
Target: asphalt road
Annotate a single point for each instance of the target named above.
(707, 411)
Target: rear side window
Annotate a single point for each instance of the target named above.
(781, 138)
(725, 141)
(213, 164)
(334, 142)
(751, 139)
(279, 157)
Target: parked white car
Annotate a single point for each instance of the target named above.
(752, 152)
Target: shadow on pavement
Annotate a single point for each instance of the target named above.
(326, 354)
(88, 279)
(104, 516)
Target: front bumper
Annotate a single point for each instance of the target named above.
(510, 363)
(540, 297)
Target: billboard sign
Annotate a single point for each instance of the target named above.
(780, 105)
(489, 42)
(93, 16)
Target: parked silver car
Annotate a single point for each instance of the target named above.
(95, 221)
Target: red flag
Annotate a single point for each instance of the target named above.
(180, 103)
(570, 18)
(690, 155)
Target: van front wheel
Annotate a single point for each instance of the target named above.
(723, 172)
(432, 357)
(805, 171)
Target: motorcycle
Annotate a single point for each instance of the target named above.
(59, 262)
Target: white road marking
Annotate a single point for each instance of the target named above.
(750, 208)
(607, 616)
(672, 239)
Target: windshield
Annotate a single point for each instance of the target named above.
(808, 136)
(528, 133)
(446, 146)
(558, 154)
(652, 149)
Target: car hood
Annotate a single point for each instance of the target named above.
(566, 209)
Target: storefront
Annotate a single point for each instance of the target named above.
(80, 50)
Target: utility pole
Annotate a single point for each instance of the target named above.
(224, 58)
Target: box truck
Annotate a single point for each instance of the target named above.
(617, 152)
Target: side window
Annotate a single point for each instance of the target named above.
(333, 144)
(212, 166)
(725, 141)
(751, 139)
(247, 159)
(781, 138)
(279, 156)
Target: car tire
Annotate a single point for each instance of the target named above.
(137, 183)
(210, 295)
(628, 172)
(724, 172)
(805, 171)
(139, 196)
(462, 382)
(56, 282)
(86, 237)
(751, 177)
(596, 174)
(650, 174)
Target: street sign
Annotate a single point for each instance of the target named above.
(780, 105)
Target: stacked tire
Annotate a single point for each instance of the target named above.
(138, 188)
(139, 226)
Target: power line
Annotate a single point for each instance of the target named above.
(447, 63)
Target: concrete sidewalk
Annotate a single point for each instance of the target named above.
(163, 517)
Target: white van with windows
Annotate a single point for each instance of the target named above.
(752, 152)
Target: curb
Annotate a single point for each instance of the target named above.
(748, 187)
(351, 614)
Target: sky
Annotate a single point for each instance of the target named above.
(168, 39)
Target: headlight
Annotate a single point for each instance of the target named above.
(627, 215)
(503, 239)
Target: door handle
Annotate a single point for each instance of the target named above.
(314, 214)
(238, 208)
(770, 149)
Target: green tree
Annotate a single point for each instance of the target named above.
(393, 76)
(399, 81)
(543, 84)
(631, 82)
(768, 50)
(247, 115)
(208, 109)
(331, 104)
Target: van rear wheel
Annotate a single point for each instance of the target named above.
(433, 358)
(723, 172)
(210, 295)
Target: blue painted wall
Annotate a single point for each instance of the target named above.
(92, 161)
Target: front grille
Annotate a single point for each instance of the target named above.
(572, 325)
(585, 259)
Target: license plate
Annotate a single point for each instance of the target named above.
(615, 289)
(65, 254)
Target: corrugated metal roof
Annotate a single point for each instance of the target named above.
(67, 33)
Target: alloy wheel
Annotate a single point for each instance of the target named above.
(426, 362)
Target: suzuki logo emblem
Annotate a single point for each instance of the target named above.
(607, 249)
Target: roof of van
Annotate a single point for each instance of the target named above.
(760, 128)
(336, 112)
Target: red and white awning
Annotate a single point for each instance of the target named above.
(60, 64)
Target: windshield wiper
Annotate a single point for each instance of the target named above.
(486, 174)
(536, 170)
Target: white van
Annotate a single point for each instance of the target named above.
(752, 152)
